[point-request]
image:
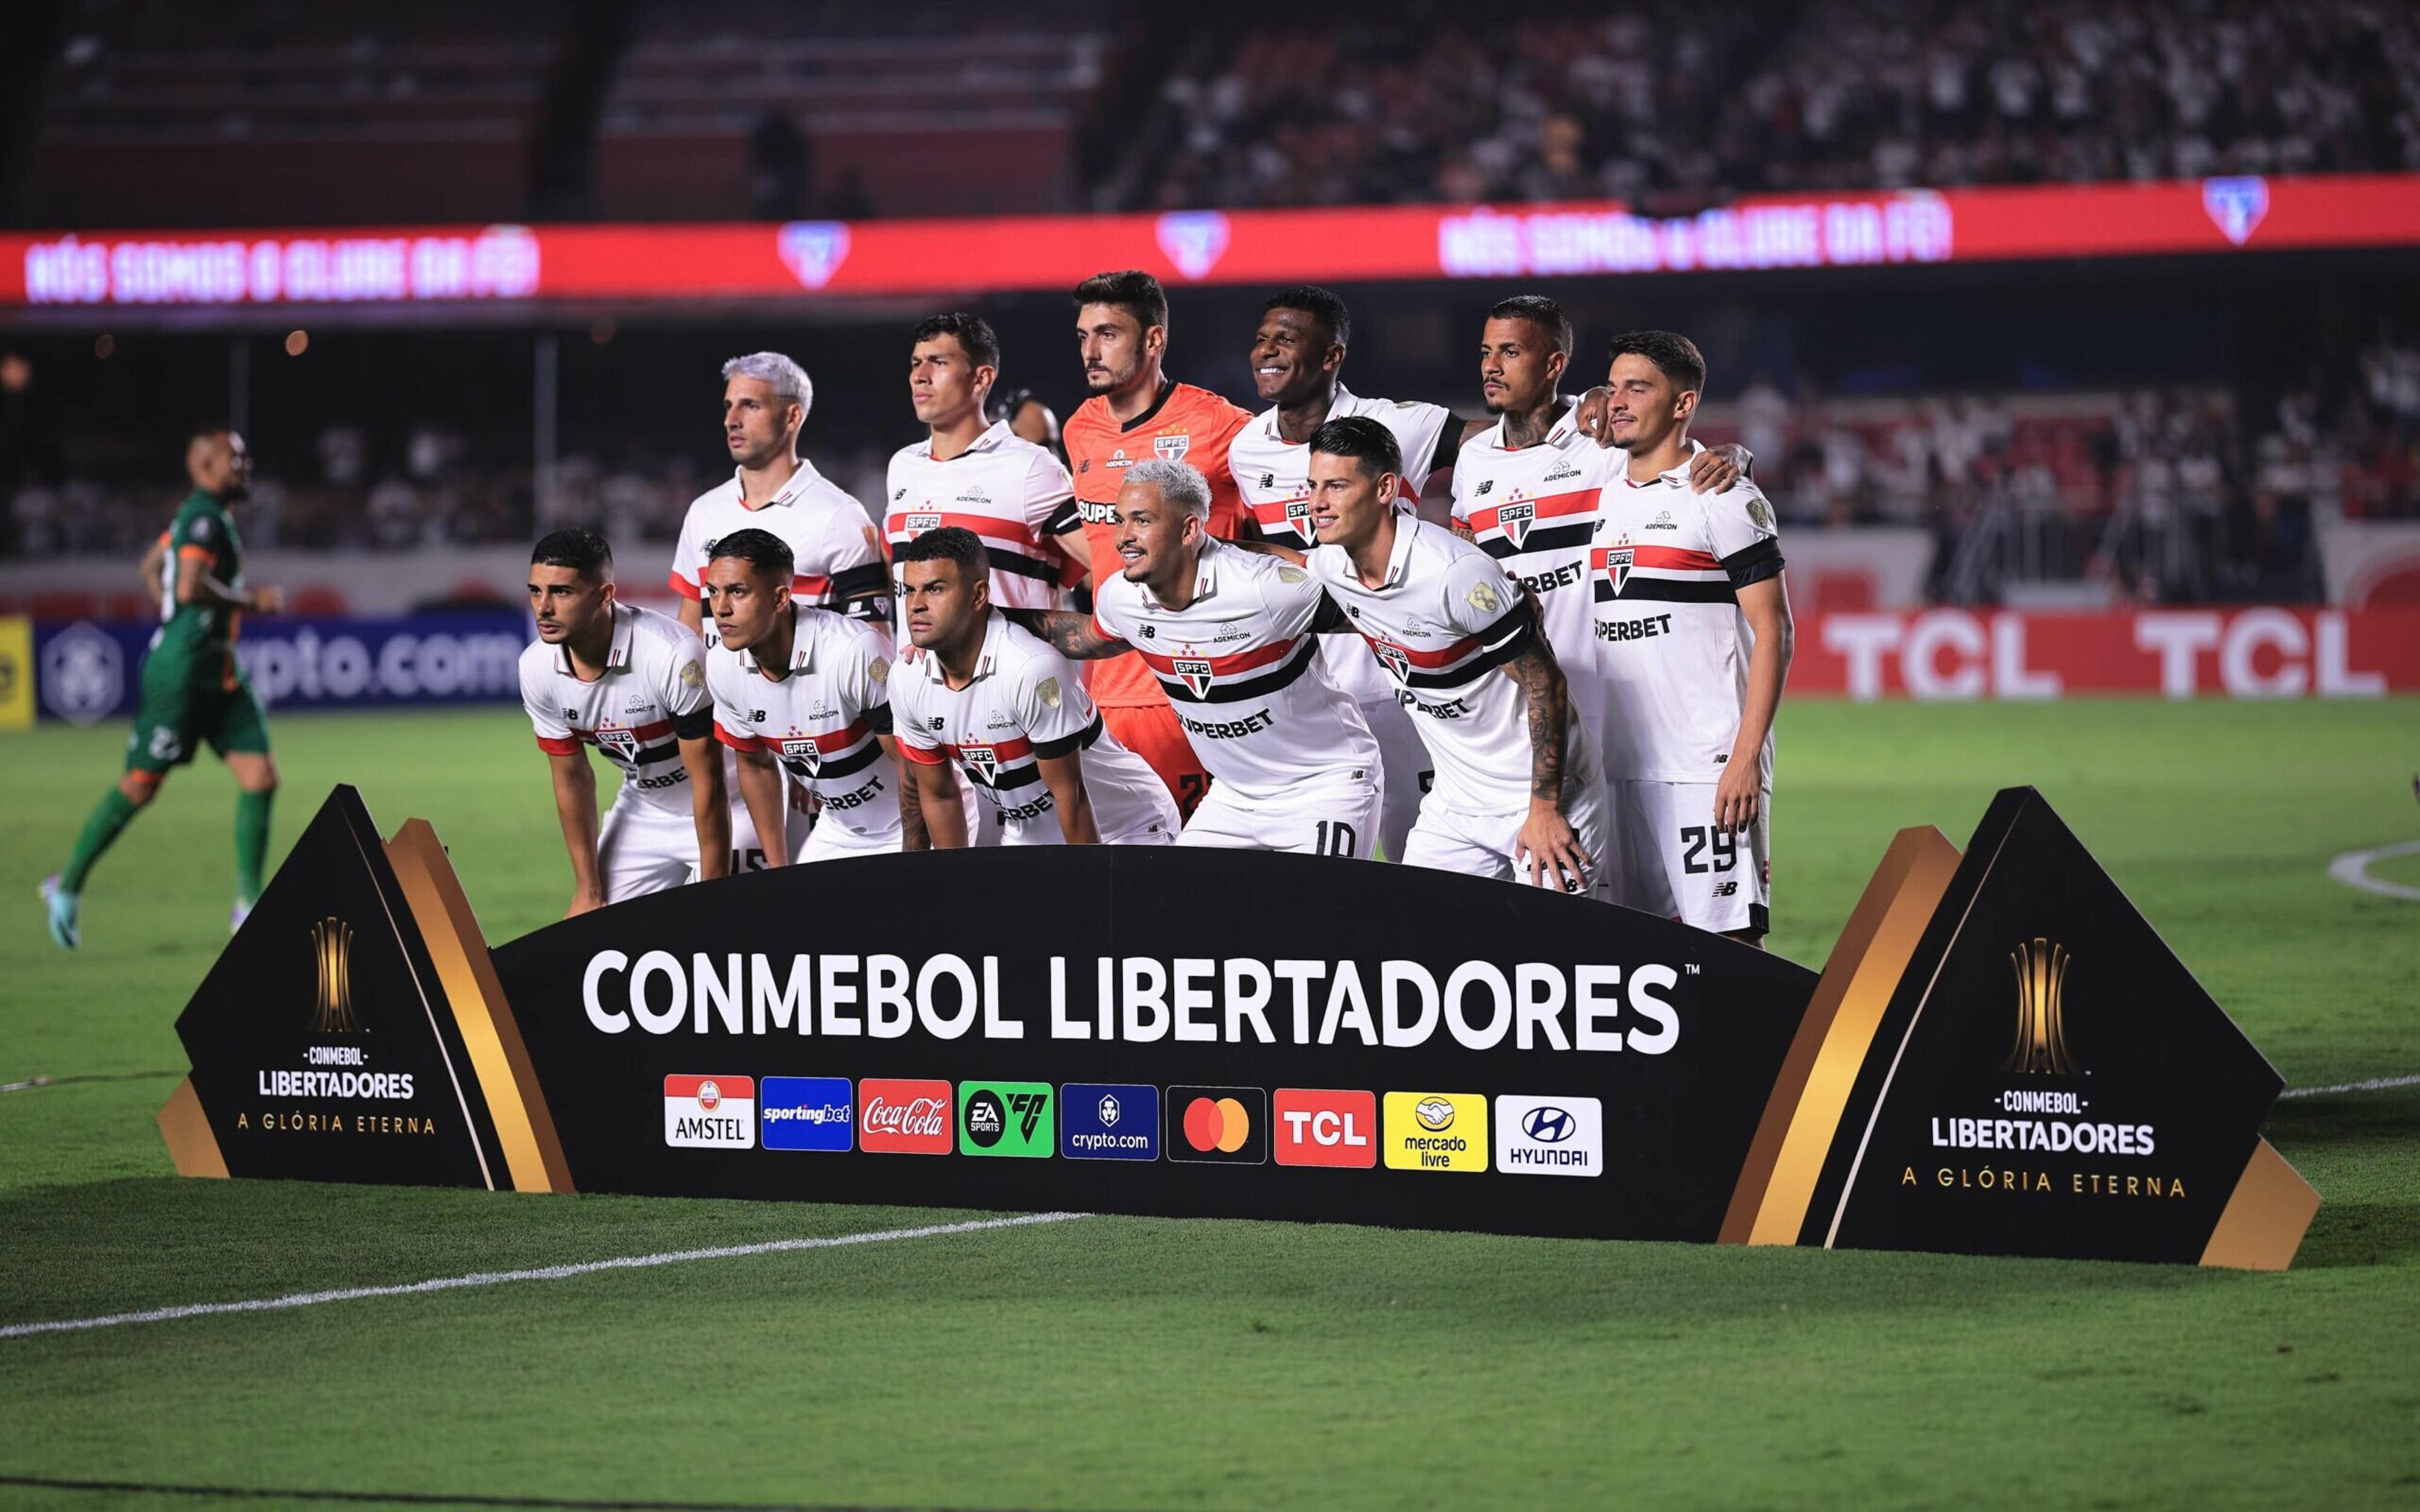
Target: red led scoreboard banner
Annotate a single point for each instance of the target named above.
(834, 258)
(2001, 1057)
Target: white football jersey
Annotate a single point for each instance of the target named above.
(1443, 624)
(1241, 666)
(1005, 489)
(1025, 705)
(652, 697)
(828, 532)
(1672, 647)
(1273, 476)
(821, 718)
(1533, 510)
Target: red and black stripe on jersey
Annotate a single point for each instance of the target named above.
(826, 755)
(1466, 660)
(1003, 765)
(1673, 574)
(1516, 527)
(1248, 674)
(1007, 545)
(638, 745)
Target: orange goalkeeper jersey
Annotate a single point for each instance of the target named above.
(1188, 424)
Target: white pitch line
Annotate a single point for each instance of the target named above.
(2376, 1084)
(548, 1273)
(2352, 870)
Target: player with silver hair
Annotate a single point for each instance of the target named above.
(1232, 637)
(836, 555)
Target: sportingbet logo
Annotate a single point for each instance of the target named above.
(1435, 1132)
(902, 1118)
(1005, 1118)
(813, 250)
(711, 1112)
(807, 1113)
(1109, 1120)
(1194, 241)
(1550, 1135)
(1317, 1128)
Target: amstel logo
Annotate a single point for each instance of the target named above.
(331, 943)
(2041, 1047)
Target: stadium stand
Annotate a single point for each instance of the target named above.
(1720, 99)
(779, 110)
(158, 113)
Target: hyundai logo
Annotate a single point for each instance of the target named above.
(1549, 1125)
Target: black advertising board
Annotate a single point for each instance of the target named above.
(2000, 1058)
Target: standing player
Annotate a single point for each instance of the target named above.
(632, 683)
(192, 690)
(1693, 627)
(806, 692)
(765, 398)
(1444, 621)
(975, 473)
(977, 695)
(1297, 366)
(1137, 412)
(1526, 489)
(1233, 637)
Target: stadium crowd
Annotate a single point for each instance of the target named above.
(1718, 99)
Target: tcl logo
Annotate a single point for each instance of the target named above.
(899, 1118)
(2264, 651)
(1323, 1127)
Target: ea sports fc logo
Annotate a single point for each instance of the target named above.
(1220, 1125)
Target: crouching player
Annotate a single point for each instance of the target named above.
(1518, 785)
(1232, 637)
(803, 691)
(980, 697)
(632, 683)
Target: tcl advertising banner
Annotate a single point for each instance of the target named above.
(2001, 1057)
(404, 264)
(87, 671)
(2261, 651)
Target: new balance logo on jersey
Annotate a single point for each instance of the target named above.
(804, 750)
(1485, 484)
(1516, 519)
(1617, 567)
(1268, 480)
(1195, 675)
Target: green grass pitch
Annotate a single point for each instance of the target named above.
(1129, 1361)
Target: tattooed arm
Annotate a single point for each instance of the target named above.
(1076, 636)
(1547, 838)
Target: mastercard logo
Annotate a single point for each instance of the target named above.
(1222, 1125)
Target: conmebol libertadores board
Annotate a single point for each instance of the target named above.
(2000, 1058)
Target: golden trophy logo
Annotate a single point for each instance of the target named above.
(2041, 1009)
(332, 942)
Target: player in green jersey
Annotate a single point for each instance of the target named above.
(193, 692)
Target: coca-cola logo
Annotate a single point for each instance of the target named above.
(904, 1118)
(920, 1117)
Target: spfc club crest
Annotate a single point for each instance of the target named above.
(1298, 516)
(981, 763)
(1395, 659)
(1516, 519)
(1171, 448)
(1617, 567)
(1194, 673)
(803, 750)
(620, 744)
